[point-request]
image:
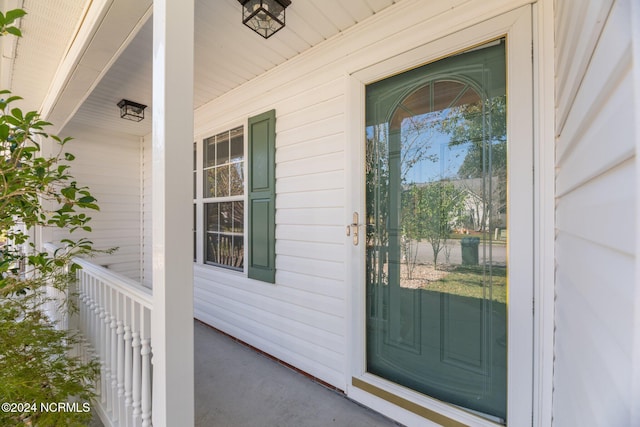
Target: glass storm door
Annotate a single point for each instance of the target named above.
(436, 213)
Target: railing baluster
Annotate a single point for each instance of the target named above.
(82, 301)
(137, 379)
(114, 367)
(107, 352)
(95, 331)
(121, 371)
(127, 374)
(113, 318)
(146, 382)
(90, 316)
(103, 344)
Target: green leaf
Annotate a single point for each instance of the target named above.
(32, 115)
(69, 192)
(17, 113)
(86, 199)
(12, 98)
(14, 14)
(14, 30)
(12, 120)
(4, 132)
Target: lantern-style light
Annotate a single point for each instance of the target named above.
(265, 17)
(131, 110)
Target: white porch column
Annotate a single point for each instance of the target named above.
(172, 318)
(635, 355)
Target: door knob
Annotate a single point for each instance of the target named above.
(353, 229)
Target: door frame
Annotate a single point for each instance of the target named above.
(396, 401)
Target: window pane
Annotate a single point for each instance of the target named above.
(226, 216)
(209, 147)
(211, 217)
(224, 249)
(210, 183)
(222, 147)
(237, 144)
(222, 181)
(238, 217)
(236, 179)
(238, 252)
(211, 248)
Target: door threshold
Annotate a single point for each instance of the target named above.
(403, 403)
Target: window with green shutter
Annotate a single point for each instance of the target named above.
(229, 241)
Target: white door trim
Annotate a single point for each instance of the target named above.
(544, 209)
(517, 27)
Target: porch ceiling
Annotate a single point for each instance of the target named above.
(29, 64)
(227, 54)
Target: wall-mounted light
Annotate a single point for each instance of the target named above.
(265, 17)
(131, 110)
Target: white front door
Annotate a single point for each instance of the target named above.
(443, 288)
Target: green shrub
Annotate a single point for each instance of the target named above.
(38, 365)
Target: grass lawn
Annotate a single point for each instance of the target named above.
(472, 281)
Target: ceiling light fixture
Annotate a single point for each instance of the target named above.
(265, 17)
(131, 110)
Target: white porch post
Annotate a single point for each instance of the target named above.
(635, 361)
(172, 317)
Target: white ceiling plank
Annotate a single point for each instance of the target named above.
(51, 24)
(298, 25)
(358, 9)
(314, 18)
(378, 5)
(227, 54)
(335, 13)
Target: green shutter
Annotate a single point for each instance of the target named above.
(262, 197)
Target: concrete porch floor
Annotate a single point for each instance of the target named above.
(237, 387)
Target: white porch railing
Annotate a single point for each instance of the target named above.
(114, 318)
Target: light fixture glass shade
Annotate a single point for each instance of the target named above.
(131, 110)
(265, 17)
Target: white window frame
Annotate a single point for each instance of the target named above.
(200, 200)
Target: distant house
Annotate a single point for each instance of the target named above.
(481, 216)
(261, 188)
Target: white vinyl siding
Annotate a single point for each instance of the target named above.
(303, 318)
(109, 164)
(596, 216)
